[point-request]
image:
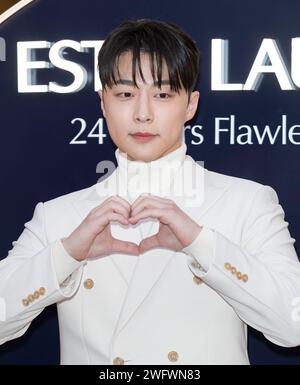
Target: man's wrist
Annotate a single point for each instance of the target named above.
(64, 263)
(69, 251)
(202, 248)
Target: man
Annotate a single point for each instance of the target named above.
(143, 271)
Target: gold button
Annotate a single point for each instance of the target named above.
(30, 298)
(88, 283)
(118, 361)
(197, 280)
(233, 270)
(173, 356)
(36, 294)
(25, 302)
(196, 264)
(227, 266)
(245, 277)
(42, 290)
(239, 275)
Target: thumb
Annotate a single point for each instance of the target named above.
(148, 243)
(125, 247)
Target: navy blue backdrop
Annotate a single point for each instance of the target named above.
(39, 163)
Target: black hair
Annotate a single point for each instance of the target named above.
(161, 40)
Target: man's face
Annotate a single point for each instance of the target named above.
(128, 109)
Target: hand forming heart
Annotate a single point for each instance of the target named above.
(93, 238)
(176, 229)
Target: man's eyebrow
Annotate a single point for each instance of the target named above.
(131, 82)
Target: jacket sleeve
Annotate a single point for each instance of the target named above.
(34, 274)
(259, 278)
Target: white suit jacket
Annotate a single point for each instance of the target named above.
(162, 307)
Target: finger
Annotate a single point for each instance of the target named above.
(124, 247)
(160, 214)
(97, 224)
(110, 216)
(147, 204)
(143, 196)
(119, 207)
(148, 243)
(122, 201)
(114, 198)
(113, 206)
(161, 202)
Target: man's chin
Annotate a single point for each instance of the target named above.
(142, 154)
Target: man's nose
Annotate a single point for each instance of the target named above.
(143, 109)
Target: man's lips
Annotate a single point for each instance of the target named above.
(143, 136)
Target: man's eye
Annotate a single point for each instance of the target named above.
(164, 95)
(125, 95)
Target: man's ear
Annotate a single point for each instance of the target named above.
(192, 106)
(100, 93)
